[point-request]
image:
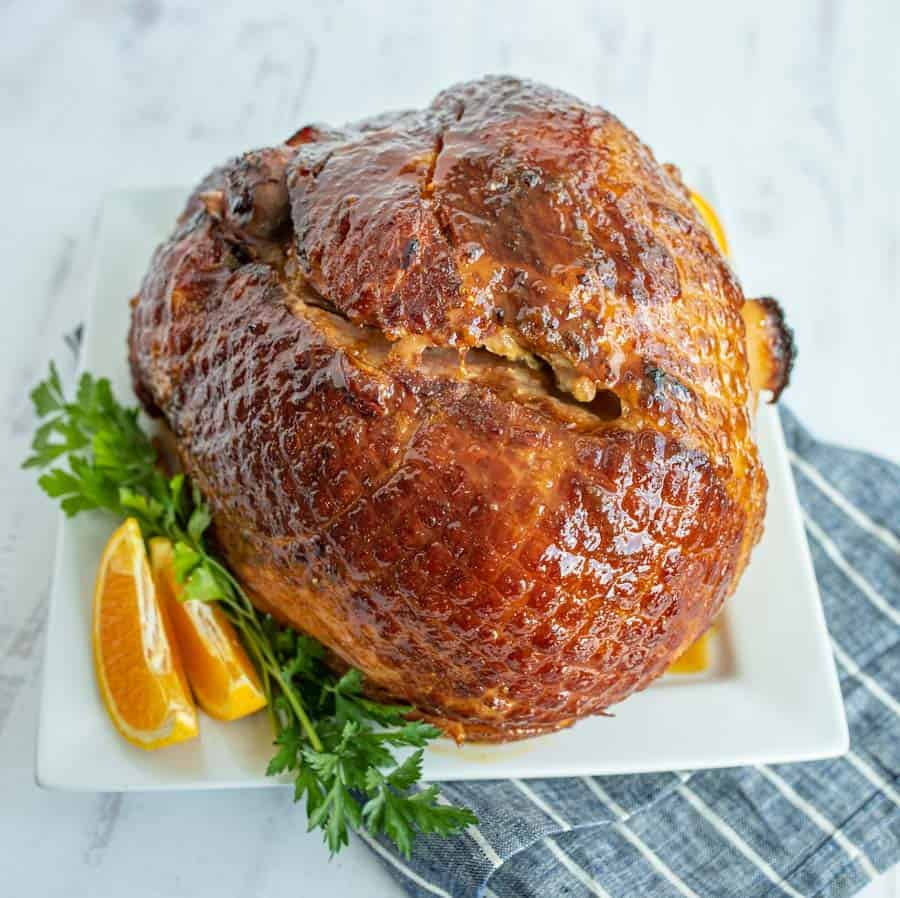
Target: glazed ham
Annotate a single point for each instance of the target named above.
(469, 392)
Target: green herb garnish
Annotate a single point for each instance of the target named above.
(336, 743)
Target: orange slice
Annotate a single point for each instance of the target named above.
(139, 673)
(222, 677)
(694, 659)
(711, 220)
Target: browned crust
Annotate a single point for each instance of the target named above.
(474, 540)
(771, 345)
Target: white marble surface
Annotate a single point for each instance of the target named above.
(785, 114)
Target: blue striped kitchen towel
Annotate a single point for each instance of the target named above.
(818, 829)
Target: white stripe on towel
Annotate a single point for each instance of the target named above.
(376, 846)
(853, 851)
(579, 873)
(857, 515)
(736, 841)
(879, 782)
(863, 585)
(656, 862)
(539, 802)
(476, 835)
(856, 671)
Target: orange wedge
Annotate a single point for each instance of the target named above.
(139, 673)
(222, 678)
(711, 220)
(694, 659)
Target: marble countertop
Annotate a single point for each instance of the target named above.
(785, 115)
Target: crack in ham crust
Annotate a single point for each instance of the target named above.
(504, 559)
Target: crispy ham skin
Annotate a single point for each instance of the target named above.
(468, 391)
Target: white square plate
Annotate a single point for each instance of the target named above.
(771, 695)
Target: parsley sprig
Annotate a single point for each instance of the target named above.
(338, 745)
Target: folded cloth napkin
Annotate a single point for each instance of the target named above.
(818, 829)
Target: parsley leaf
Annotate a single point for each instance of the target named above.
(289, 744)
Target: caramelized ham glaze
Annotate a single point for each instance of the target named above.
(467, 389)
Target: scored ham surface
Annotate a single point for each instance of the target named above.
(468, 392)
